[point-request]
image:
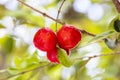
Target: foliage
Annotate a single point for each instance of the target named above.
(20, 60)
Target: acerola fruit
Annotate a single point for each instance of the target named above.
(68, 37)
(52, 55)
(68, 51)
(45, 39)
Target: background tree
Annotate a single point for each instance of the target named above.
(96, 57)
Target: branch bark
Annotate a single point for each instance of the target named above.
(44, 14)
(56, 20)
(24, 72)
(101, 55)
(117, 5)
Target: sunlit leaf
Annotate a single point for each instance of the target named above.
(7, 43)
(118, 38)
(33, 58)
(4, 74)
(54, 70)
(37, 20)
(17, 61)
(1, 26)
(101, 36)
(64, 58)
(96, 1)
(53, 4)
(53, 26)
(28, 62)
(81, 63)
(25, 17)
(84, 41)
(2, 10)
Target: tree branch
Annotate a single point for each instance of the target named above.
(117, 5)
(86, 57)
(44, 14)
(59, 10)
(56, 20)
(85, 32)
(21, 73)
(101, 55)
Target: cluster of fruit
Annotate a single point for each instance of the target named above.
(66, 38)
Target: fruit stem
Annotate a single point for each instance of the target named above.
(59, 10)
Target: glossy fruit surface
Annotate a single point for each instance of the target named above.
(45, 39)
(68, 37)
(52, 56)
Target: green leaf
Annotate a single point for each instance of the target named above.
(26, 18)
(84, 41)
(63, 58)
(37, 20)
(54, 71)
(102, 36)
(7, 43)
(17, 61)
(53, 4)
(33, 58)
(4, 74)
(96, 1)
(1, 26)
(81, 63)
(53, 26)
(2, 10)
(118, 38)
(13, 70)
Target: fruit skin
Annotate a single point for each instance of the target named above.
(68, 37)
(52, 55)
(45, 39)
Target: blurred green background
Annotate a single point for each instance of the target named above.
(20, 60)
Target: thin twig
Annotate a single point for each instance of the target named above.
(117, 5)
(59, 10)
(85, 32)
(44, 14)
(95, 56)
(21, 73)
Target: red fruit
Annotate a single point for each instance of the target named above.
(52, 56)
(68, 37)
(68, 51)
(45, 39)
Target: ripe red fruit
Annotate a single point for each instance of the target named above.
(45, 39)
(68, 37)
(52, 56)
